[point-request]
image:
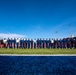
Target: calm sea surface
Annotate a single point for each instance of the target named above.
(37, 65)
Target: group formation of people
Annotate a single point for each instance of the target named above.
(38, 43)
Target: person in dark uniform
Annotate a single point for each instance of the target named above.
(43, 43)
(46, 43)
(1, 43)
(57, 41)
(21, 43)
(68, 42)
(60, 41)
(49, 43)
(74, 42)
(31, 43)
(11, 43)
(8, 43)
(38, 41)
(28, 43)
(64, 43)
(25, 43)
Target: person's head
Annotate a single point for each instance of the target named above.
(34, 38)
(56, 38)
(60, 39)
(46, 38)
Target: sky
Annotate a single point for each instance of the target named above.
(37, 18)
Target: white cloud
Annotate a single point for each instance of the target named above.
(10, 35)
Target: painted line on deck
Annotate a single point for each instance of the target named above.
(37, 54)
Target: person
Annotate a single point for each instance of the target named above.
(28, 43)
(57, 41)
(68, 43)
(11, 42)
(17, 42)
(49, 43)
(64, 43)
(31, 43)
(1, 43)
(21, 43)
(5, 42)
(52, 43)
(35, 43)
(14, 42)
(38, 41)
(74, 42)
(46, 42)
(60, 42)
(43, 43)
(25, 43)
(8, 43)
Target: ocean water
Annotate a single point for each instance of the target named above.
(37, 65)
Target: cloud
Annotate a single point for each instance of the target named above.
(10, 35)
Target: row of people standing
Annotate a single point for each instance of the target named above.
(40, 43)
(55, 43)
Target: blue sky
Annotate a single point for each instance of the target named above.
(37, 18)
